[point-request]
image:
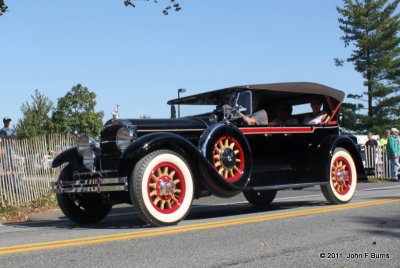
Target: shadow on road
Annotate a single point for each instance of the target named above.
(126, 217)
(381, 226)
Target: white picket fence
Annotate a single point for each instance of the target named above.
(376, 162)
(25, 167)
(26, 173)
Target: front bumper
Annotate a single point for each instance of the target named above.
(91, 182)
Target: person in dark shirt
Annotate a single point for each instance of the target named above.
(370, 153)
(371, 142)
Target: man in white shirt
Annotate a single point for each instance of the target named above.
(317, 115)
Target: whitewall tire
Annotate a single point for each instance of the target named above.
(161, 188)
(343, 178)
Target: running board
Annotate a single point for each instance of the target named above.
(284, 186)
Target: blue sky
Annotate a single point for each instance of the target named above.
(138, 58)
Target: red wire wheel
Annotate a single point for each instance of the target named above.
(166, 188)
(341, 175)
(228, 158)
(342, 178)
(161, 188)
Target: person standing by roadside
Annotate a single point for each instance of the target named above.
(382, 147)
(6, 131)
(393, 152)
(370, 151)
(383, 141)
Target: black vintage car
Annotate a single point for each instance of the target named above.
(161, 165)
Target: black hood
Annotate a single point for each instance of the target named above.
(154, 125)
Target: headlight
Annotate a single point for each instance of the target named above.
(88, 159)
(125, 136)
(85, 143)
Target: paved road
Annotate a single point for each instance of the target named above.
(300, 229)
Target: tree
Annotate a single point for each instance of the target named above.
(75, 113)
(36, 120)
(173, 4)
(372, 28)
(3, 7)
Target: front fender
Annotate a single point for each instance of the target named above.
(69, 155)
(160, 140)
(165, 140)
(325, 152)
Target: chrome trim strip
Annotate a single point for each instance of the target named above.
(96, 185)
(169, 130)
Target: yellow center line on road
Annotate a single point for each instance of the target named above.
(188, 228)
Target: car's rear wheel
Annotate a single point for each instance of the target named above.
(260, 199)
(343, 178)
(161, 188)
(82, 209)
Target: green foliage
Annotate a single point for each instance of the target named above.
(36, 120)
(3, 7)
(75, 113)
(371, 28)
(173, 5)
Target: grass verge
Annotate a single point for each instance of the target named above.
(19, 214)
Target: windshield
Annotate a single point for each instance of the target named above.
(243, 101)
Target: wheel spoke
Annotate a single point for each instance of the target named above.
(153, 193)
(156, 200)
(174, 199)
(165, 171)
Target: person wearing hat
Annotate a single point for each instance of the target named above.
(6, 131)
(393, 152)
